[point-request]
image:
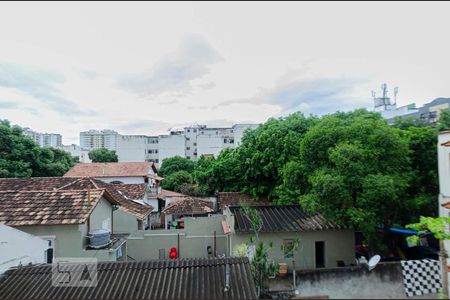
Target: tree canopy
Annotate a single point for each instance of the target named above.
(175, 164)
(444, 120)
(20, 156)
(352, 167)
(103, 155)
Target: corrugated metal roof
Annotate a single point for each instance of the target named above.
(282, 218)
(155, 279)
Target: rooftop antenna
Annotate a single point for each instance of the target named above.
(395, 94)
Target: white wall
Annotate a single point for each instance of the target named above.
(18, 247)
(444, 179)
(126, 180)
(171, 145)
(131, 148)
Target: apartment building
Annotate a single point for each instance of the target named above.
(190, 142)
(94, 139)
(44, 139)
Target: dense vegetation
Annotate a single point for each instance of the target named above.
(20, 156)
(352, 167)
(103, 155)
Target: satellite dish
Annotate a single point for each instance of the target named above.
(373, 261)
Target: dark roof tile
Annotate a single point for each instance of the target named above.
(155, 279)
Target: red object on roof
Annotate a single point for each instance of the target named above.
(173, 253)
(119, 169)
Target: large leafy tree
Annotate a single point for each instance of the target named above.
(358, 169)
(174, 164)
(178, 181)
(20, 156)
(444, 120)
(103, 155)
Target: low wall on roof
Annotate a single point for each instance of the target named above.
(385, 281)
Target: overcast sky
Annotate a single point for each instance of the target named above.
(141, 68)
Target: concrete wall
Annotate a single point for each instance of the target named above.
(171, 145)
(126, 180)
(124, 222)
(100, 217)
(194, 239)
(20, 248)
(68, 241)
(339, 245)
(132, 148)
(385, 281)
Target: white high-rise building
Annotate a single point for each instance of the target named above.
(94, 139)
(44, 139)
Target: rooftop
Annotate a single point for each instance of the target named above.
(20, 208)
(124, 198)
(282, 218)
(153, 279)
(189, 206)
(118, 169)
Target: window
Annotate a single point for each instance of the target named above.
(188, 157)
(195, 130)
(156, 151)
(195, 144)
(188, 130)
(231, 141)
(225, 141)
(288, 248)
(188, 148)
(157, 160)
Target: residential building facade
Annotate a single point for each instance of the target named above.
(44, 139)
(190, 142)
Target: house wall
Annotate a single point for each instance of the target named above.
(124, 222)
(125, 180)
(100, 217)
(68, 238)
(20, 248)
(444, 181)
(339, 245)
(194, 239)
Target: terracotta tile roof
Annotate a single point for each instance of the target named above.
(282, 218)
(132, 191)
(446, 205)
(235, 199)
(49, 207)
(167, 193)
(152, 279)
(446, 144)
(119, 169)
(189, 206)
(72, 183)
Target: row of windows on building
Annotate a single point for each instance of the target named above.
(152, 151)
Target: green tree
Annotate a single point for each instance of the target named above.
(444, 120)
(20, 156)
(103, 155)
(174, 164)
(177, 181)
(358, 169)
